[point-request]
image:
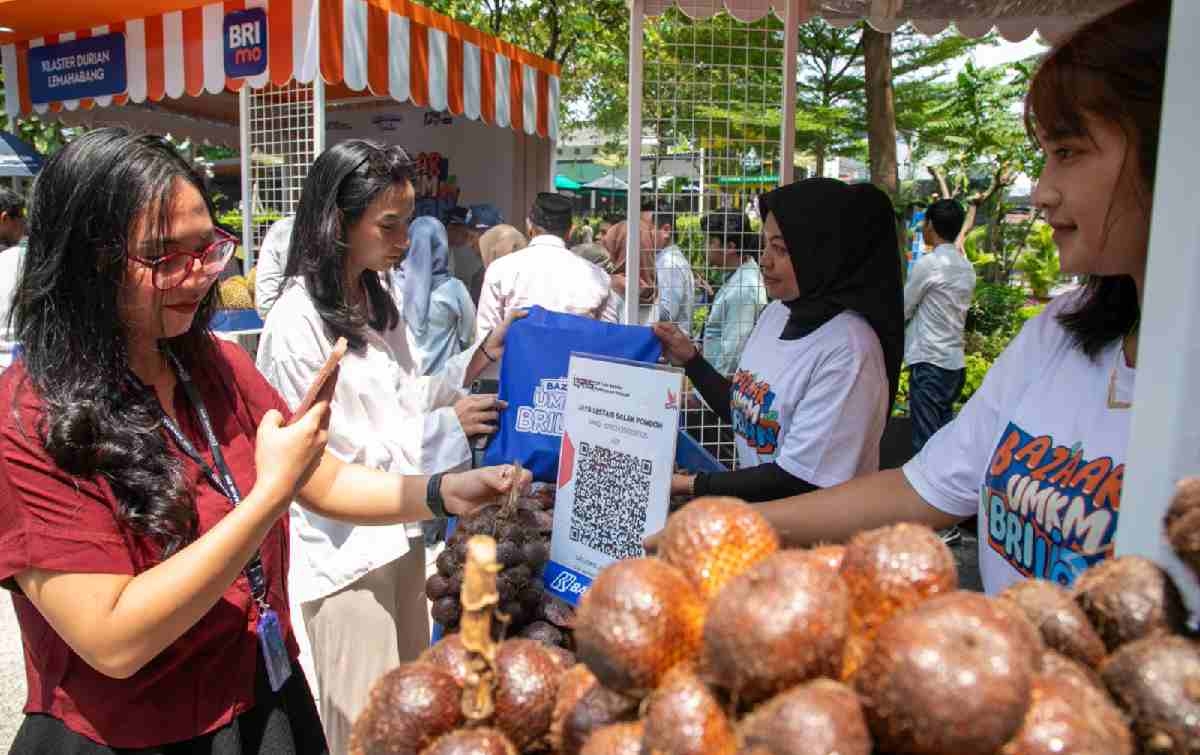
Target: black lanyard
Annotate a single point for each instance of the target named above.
(221, 478)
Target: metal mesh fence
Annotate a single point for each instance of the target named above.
(712, 112)
(281, 151)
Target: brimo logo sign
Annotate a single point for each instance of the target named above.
(245, 43)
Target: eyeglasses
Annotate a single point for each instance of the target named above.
(173, 268)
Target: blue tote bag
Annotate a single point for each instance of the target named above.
(533, 380)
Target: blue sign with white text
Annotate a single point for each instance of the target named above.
(245, 42)
(92, 67)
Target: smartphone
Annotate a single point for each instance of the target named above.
(328, 372)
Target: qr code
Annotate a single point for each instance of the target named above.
(612, 491)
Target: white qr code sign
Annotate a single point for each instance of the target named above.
(614, 474)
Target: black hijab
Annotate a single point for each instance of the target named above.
(842, 241)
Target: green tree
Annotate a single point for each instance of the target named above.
(44, 135)
(589, 38)
(973, 122)
(1039, 261)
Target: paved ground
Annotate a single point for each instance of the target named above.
(12, 674)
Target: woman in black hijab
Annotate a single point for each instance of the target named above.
(818, 375)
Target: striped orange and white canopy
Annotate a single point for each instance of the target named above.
(388, 48)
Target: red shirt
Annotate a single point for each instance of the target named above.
(51, 520)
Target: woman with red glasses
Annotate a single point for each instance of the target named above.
(146, 473)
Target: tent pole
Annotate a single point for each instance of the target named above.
(318, 106)
(244, 156)
(1164, 439)
(637, 13)
(787, 131)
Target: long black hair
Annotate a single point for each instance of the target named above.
(98, 420)
(340, 186)
(1115, 67)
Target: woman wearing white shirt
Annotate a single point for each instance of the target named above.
(814, 384)
(360, 588)
(1039, 451)
(437, 307)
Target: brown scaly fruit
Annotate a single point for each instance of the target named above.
(527, 679)
(829, 555)
(409, 707)
(583, 707)
(1183, 523)
(683, 718)
(450, 656)
(1061, 621)
(781, 623)
(472, 742)
(1069, 716)
(950, 676)
(889, 571)
(638, 620)
(1129, 598)
(616, 739)
(712, 540)
(1157, 681)
(816, 718)
(1058, 665)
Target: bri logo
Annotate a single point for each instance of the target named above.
(567, 583)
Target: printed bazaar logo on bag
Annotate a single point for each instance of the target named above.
(537, 355)
(1050, 512)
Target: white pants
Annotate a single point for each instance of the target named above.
(363, 631)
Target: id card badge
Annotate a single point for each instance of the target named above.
(275, 654)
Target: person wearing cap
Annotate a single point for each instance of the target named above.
(545, 273)
(464, 226)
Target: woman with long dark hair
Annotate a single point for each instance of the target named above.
(361, 588)
(815, 381)
(145, 474)
(1039, 451)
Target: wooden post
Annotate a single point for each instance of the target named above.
(881, 110)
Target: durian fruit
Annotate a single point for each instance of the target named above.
(233, 294)
(712, 540)
(252, 281)
(889, 571)
(639, 619)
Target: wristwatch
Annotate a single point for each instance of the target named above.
(433, 496)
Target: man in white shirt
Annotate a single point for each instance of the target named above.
(545, 273)
(740, 299)
(676, 282)
(936, 299)
(12, 230)
(272, 262)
